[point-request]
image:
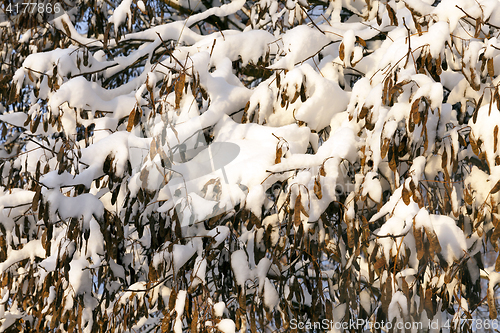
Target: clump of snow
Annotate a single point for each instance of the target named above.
(120, 14)
(299, 44)
(79, 276)
(239, 264)
(179, 309)
(372, 187)
(271, 296)
(219, 309)
(226, 326)
(30, 251)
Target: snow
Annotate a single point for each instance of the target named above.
(179, 309)
(261, 272)
(141, 6)
(181, 254)
(79, 276)
(398, 308)
(120, 14)
(271, 296)
(239, 264)
(95, 245)
(299, 44)
(450, 236)
(219, 234)
(397, 207)
(325, 101)
(16, 119)
(484, 129)
(200, 268)
(257, 42)
(365, 300)
(15, 198)
(76, 91)
(494, 278)
(255, 199)
(219, 309)
(440, 32)
(265, 113)
(372, 187)
(226, 326)
(30, 250)
(86, 205)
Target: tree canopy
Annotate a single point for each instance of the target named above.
(181, 166)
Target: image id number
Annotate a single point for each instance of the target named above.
(34, 7)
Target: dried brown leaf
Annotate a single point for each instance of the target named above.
(474, 82)
(496, 97)
(438, 65)
(495, 220)
(386, 92)
(385, 148)
(35, 123)
(479, 21)
(448, 276)
(328, 310)
(30, 76)
(303, 95)
(387, 295)
(143, 177)
(406, 194)
(297, 209)
(473, 144)
(279, 153)
(392, 15)
(363, 112)
(322, 171)
(244, 118)
(495, 235)
(179, 87)
(60, 154)
(435, 247)
(491, 68)
(495, 188)
(417, 233)
(36, 198)
(350, 236)
(66, 28)
(426, 136)
(392, 157)
(317, 188)
(462, 140)
(361, 41)
(296, 96)
(152, 149)
(492, 304)
(495, 139)
(428, 306)
(131, 120)
(107, 166)
(444, 158)
(414, 108)
(476, 109)
(171, 299)
(379, 263)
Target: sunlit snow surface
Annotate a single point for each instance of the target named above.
(196, 160)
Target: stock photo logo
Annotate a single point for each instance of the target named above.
(195, 174)
(189, 188)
